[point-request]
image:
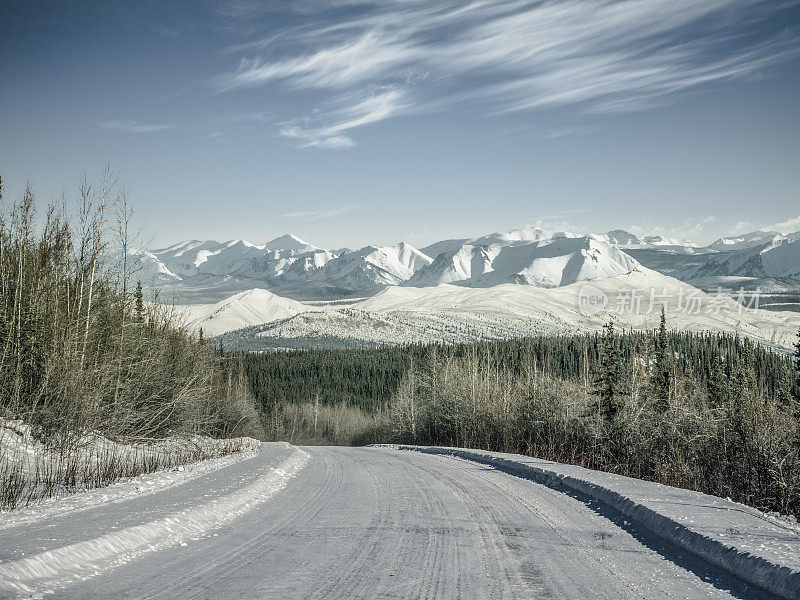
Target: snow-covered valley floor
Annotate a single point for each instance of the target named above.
(381, 522)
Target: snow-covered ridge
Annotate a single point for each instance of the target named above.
(778, 257)
(551, 262)
(456, 313)
(286, 260)
(240, 310)
(747, 240)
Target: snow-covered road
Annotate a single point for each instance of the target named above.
(353, 523)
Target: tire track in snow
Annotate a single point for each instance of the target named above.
(83, 560)
(197, 581)
(495, 555)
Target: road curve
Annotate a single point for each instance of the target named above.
(384, 523)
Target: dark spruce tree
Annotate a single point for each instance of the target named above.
(662, 368)
(797, 368)
(784, 384)
(607, 383)
(716, 385)
(138, 297)
(743, 380)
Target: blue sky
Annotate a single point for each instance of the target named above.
(352, 122)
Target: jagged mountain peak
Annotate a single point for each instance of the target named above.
(289, 241)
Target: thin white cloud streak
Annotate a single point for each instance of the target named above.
(319, 214)
(595, 55)
(133, 127)
(339, 66)
(219, 127)
(374, 108)
(552, 134)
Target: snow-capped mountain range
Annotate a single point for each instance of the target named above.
(260, 320)
(777, 257)
(288, 265)
(543, 263)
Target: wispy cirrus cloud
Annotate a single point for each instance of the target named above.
(501, 56)
(319, 214)
(331, 130)
(133, 126)
(338, 66)
(218, 128)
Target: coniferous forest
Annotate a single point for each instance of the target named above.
(709, 412)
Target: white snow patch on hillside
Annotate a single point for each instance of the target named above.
(27, 451)
(290, 242)
(523, 235)
(251, 307)
(372, 266)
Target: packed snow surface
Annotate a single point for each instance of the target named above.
(740, 539)
(342, 523)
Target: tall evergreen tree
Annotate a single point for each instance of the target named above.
(138, 296)
(608, 380)
(743, 379)
(797, 368)
(661, 370)
(716, 382)
(784, 384)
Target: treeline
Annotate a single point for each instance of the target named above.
(80, 349)
(708, 412)
(369, 378)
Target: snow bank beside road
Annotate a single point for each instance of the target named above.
(32, 471)
(735, 537)
(85, 559)
(121, 491)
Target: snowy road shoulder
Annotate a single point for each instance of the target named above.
(737, 538)
(122, 491)
(85, 559)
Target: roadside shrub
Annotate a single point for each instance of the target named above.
(80, 349)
